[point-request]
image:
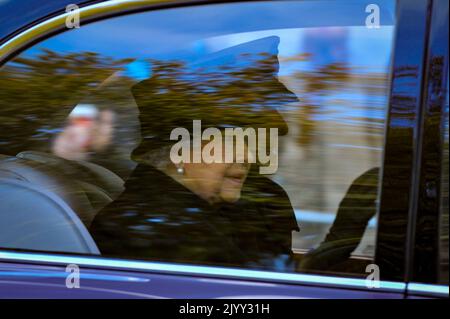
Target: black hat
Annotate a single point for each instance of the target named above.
(235, 87)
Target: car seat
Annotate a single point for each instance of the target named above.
(47, 203)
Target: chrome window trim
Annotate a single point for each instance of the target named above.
(195, 270)
(415, 288)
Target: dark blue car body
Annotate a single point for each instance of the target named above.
(410, 146)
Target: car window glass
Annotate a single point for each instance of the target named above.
(249, 135)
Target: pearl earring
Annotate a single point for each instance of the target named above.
(180, 170)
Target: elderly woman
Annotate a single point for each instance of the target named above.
(221, 213)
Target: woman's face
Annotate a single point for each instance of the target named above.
(218, 182)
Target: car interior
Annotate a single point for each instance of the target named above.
(74, 192)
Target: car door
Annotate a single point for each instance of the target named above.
(430, 222)
(347, 168)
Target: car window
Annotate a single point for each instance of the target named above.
(245, 134)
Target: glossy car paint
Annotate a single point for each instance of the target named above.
(99, 278)
(401, 139)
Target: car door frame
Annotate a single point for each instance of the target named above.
(399, 173)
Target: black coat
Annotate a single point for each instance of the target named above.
(159, 219)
